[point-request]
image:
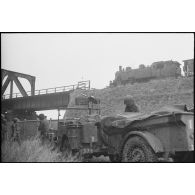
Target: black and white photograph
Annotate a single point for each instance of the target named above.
(97, 97)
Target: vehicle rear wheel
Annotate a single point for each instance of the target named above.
(136, 149)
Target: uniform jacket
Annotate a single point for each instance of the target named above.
(43, 126)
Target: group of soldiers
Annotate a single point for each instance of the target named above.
(15, 132)
(15, 135)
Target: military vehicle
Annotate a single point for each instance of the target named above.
(167, 134)
(81, 134)
(164, 135)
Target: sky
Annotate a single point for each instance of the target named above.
(65, 58)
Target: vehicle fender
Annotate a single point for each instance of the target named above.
(150, 138)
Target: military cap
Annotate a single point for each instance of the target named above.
(41, 116)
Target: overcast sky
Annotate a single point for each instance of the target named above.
(64, 59)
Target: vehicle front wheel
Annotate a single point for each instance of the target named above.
(136, 149)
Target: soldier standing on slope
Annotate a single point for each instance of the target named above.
(4, 135)
(43, 127)
(130, 104)
(15, 136)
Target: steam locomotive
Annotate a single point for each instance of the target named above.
(156, 70)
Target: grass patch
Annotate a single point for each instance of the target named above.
(33, 150)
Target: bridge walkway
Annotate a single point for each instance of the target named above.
(44, 99)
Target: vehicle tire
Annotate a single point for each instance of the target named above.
(136, 149)
(114, 158)
(65, 145)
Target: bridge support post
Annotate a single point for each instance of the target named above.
(11, 89)
(58, 117)
(32, 86)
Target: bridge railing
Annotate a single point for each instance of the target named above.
(81, 85)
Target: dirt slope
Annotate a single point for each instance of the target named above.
(148, 96)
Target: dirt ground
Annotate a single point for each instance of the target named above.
(148, 96)
(100, 159)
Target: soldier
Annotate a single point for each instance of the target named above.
(43, 127)
(15, 135)
(130, 105)
(4, 135)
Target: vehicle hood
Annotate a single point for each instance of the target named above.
(123, 120)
